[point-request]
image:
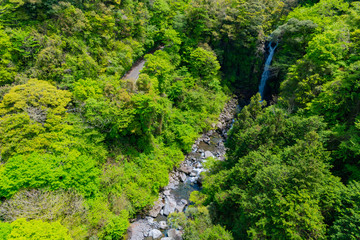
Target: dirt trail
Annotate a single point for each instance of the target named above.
(134, 73)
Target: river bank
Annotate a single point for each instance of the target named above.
(183, 180)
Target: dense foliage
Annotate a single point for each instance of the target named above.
(292, 168)
(37, 229)
(74, 130)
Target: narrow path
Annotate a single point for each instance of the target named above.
(134, 73)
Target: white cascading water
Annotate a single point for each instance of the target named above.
(266, 73)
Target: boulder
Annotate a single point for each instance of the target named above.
(182, 177)
(173, 183)
(155, 234)
(163, 225)
(173, 180)
(208, 154)
(170, 205)
(167, 238)
(154, 212)
(175, 234)
(139, 229)
(150, 220)
(180, 208)
(206, 140)
(186, 169)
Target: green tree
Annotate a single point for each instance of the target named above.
(5, 229)
(159, 65)
(28, 112)
(276, 181)
(204, 64)
(49, 171)
(118, 226)
(37, 229)
(6, 66)
(347, 219)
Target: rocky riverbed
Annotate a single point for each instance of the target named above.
(184, 180)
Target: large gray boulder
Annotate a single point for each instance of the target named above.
(208, 154)
(155, 234)
(186, 169)
(170, 205)
(139, 230)
(175, 234)
(180, 208)
(163, 225)
(182, 177)
(154, 212)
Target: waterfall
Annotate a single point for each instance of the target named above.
(266, 73)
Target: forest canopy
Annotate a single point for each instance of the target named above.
(74, 129)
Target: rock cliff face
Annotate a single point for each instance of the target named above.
(183, 180)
